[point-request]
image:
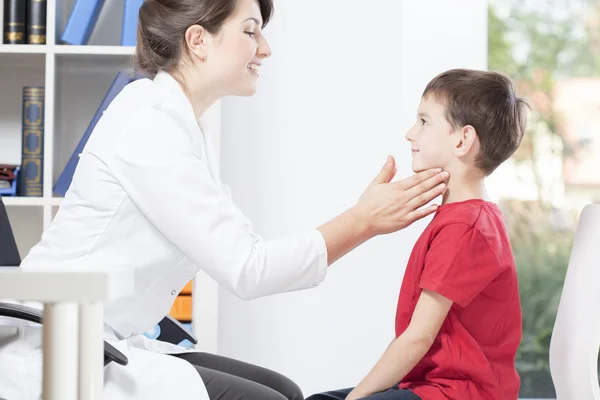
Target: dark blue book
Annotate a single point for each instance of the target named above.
(82, 21)
(131, 10)
(31, 176)
(36, 21)
(64, 180)
(15, 20)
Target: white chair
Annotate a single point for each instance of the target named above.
(576, 336)
(73, 352)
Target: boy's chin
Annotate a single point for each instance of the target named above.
(420, 168)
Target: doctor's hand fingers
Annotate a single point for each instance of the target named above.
(385, 207)
(423, 181)
(387, 172)
(417, 199)
(410, 207)
(418, 214)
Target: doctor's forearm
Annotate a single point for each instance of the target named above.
(343, 233)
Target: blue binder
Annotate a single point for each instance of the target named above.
(82, 20)
(131, 10)
(64, 180)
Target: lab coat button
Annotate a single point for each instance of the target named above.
(173, 293)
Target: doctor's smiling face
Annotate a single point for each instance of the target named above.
(233, 56)
(213, 48)
(243, 48)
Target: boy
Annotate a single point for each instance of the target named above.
(458, 321)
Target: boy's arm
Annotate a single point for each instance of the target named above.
(409, 348)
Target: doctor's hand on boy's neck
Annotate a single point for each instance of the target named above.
(435, 142)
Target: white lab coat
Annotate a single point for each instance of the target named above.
(147, 195)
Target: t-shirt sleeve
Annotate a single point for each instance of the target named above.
(459, 264)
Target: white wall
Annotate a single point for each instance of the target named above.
(337, 96)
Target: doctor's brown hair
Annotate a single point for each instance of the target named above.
(162, 25)
(488, 102)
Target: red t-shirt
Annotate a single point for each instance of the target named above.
(465, 255)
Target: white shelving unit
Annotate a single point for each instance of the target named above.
(75, 78)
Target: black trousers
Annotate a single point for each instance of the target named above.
(229, 379)
(390, 394)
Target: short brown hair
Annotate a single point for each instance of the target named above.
(162, 25)
(487, 101)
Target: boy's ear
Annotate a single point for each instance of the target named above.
(467, 140)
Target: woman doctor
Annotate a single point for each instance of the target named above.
(146, 194)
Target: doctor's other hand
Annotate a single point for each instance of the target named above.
(387, 206)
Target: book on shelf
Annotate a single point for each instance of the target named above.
(122, 79)
(181, 309)
(25, 21)
(15, 18)
(36, 21)
(31, 176)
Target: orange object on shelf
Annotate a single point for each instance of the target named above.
(187, 289)
(182, 308)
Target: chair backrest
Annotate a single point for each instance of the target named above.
(576, 336)
(9, 253)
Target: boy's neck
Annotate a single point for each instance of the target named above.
(464, 187)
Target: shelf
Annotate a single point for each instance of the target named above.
(16, 55)
(23, 201)
(23, 49)
(31, 201)
(66, 49)
(95, 50)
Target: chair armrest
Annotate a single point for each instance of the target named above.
(34, 315)
(112, 354)
(174, 332)
(21, 312)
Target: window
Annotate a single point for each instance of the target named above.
(551, 49)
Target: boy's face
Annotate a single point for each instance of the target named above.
(431, 139)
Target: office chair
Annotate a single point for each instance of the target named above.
(575, 338)
(170, 329)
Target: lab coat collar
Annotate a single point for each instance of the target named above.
(184, 106)
(168, 82)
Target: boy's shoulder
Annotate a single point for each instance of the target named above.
(472, 214)
(476, 216)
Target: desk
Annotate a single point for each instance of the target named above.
(73, 323)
